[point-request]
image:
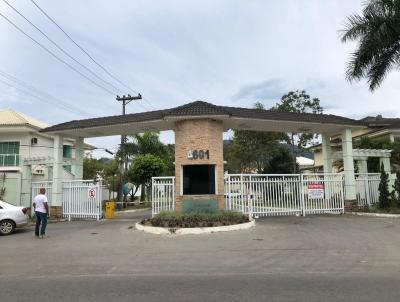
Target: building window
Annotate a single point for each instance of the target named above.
(198, 179)
(67, 151)
(9, 154)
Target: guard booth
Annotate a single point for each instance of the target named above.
(199, 169)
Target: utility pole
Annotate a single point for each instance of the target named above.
(124, 155)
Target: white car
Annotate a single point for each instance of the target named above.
(12, 217)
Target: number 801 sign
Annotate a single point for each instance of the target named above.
(199, 154)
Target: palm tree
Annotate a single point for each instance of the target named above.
(377, 31)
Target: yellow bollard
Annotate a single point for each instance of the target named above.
(110, 209)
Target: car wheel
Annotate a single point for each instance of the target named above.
(6, 227)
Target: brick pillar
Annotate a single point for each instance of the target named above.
(199, 134)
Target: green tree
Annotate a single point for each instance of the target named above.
(282, 162)
(396, 191)
(251, 151)
(148, 143)
(169, 159)
(143, 168)
(384, 195)
(92, 168)
(377, 32)
(145, 143)
(299, 102)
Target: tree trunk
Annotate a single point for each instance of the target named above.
(142, 193)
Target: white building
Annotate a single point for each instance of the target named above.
(26, 155)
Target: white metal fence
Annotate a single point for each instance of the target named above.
(36, 186)
(162, 194)
(367, 185)
(82, 199)
(284, 194)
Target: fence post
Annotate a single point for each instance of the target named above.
(367, 193)
(152, 197)
(303, 210)
(228, 179)
(343, 188)
(99, 205)
(241, 192)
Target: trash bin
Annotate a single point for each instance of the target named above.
(110, 209)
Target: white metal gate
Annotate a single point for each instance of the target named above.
(82, 199)
(284, 194)
(36, 186)
(162, 194)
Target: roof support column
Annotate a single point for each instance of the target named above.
(348, 163)
(56, 198)
(77, 167)
(326, 153)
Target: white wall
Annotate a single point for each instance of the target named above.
(12, 185)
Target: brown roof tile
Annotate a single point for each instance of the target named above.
(200, 108)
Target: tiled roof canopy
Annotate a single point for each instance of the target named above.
(200, 108)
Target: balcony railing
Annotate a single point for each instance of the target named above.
(10, 160)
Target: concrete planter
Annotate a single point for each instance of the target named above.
(194, 231)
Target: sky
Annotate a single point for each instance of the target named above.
(230, 52)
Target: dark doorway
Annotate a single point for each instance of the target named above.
(198, 179)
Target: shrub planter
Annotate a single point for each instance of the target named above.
(194, 231)
(195, 223)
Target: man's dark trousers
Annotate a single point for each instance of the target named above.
(41, 218)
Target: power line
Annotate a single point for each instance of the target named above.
(61, 49)
(55, 56)
(58, 102)
(69, 109)
(85, 52)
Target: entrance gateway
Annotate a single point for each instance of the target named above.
(200, 182)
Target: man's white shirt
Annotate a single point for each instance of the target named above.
(39, 201)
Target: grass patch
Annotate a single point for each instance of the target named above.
(194, 220)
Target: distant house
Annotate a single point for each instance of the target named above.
(379, 128)
(26, 154)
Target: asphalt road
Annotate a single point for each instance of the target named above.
(317, 258)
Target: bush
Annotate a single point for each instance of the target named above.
(396, 191)
(384, 195)
(191, 220)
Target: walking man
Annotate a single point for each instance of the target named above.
(42, 211)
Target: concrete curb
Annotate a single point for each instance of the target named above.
(374, 215)
(194, 231)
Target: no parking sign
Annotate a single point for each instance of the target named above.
(92, 193)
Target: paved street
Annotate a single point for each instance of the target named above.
(317, 258)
